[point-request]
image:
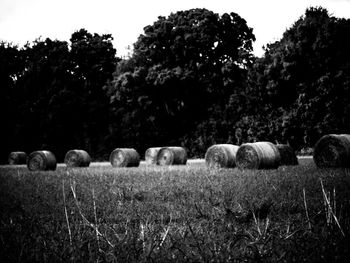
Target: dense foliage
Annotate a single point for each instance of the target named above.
(191, 80)
(303, 81)
(53, 93)
(183, 69)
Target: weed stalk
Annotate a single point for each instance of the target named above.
(86, 221)
(95, 215)
(66, 215)
(306, 210)
(329, 208)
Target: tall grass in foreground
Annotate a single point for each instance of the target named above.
(175, 214)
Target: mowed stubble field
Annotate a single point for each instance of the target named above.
(175, 214)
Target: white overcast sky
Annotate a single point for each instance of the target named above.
(27, 20)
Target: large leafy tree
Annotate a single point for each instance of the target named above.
(94, 60)
(303, 79)
(11, 66)
(59, 94)
(43, 97)
(183, 69)
(215, 49)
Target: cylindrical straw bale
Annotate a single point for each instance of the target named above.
(332, 150)
(124, 157)
(258, 155)
(77, 158)
(41, 161)
(171, 156)
(287, 154)
(221, 156)
(151, 155)
(17, 158)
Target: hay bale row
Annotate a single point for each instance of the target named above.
(77, 158)
(17, 158)
(171, 155)
(221, 156)
(258, 155)
(124, 157)
(46, 160)
(332, 150)
(41, 161)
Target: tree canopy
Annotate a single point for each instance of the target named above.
(304, 79)
(183, 67)
(55, 97)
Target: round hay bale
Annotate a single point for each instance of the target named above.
(172, 156)
(124, 157)
(41, 161)
(17, 158)
(151, 155)
(258, 155)
(287, 154)
(221, 156)
(332, 150)
(77, 158)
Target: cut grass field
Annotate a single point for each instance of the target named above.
(175, 214)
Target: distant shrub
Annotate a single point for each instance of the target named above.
(287, 153)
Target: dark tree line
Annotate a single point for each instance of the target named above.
(191, 80)
(304, 80)
(53, 97)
